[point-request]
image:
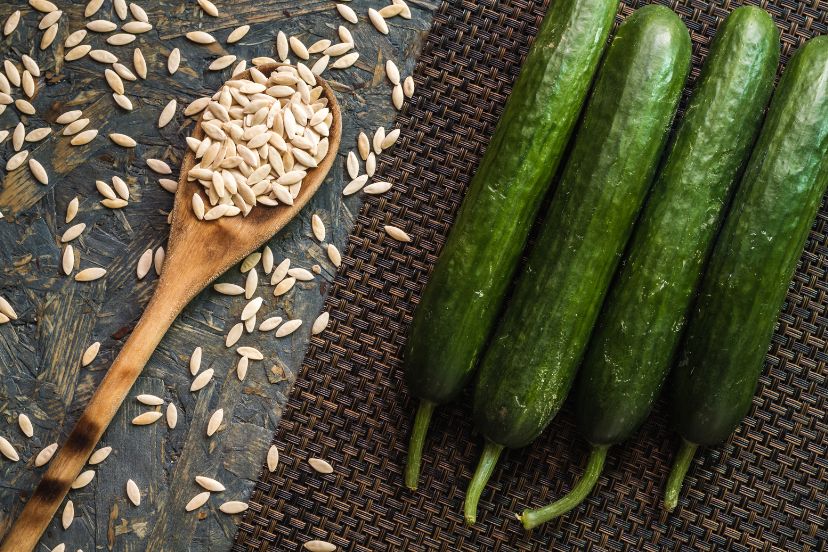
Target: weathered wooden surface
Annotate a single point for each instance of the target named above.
(40, 372)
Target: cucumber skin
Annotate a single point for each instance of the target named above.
(457, 310)
(639, 328)
(754, 258)
(526, 373)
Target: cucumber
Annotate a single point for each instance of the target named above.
(460, 303)
(732, 322)
(638, 330)
(529, 366)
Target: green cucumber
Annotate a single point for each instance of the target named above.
(746, 280)
(638, 330)
(459, 306)
(529, 366)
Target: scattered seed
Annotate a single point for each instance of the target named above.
(195, 361)
(202, 379)
(69, 117)
(92, 7)
(68, 514)
(75, 126)
(352, 165)
(11, 23)
(250, 352)
(228, 289)
(138, 12)
(320, 65)
(169, 185)
(18, 136)
(397, 233)
(390, 139)
(345, 61)
(139, 63)
(347, 13)
(250, 261)
(208, 7)
(241, 368)
(288, 328)
(120, 39)
(319, 546)
(318, 227)
(320, 323)
(114, 203)
(38, 171)
(7, 309)
(120, 8)
(75, 38)
(298, 48)
(120, 187)
(167, 114)
(38, 134)
(172, 416)
(270, 324)
(73, 232)
(267, 259)
(122, 140)
(25, 425)
(90, 274)
(284, 286)
(133, 493)
(24, 106)
(158, 260)
(234, 335)
(8, 450)
(174, 61)
(84, 137)
(77, 52)
(371, 164)
(379, 136)
(45, 455)
(377, 188)
(83, 479)
(90, 353)
(72, 210)
(406, 11)
(146, 418)
(251, 283)
(99, 456)
(233, 507)
(105, 189)
(301, 274)
(280, 272)
(122, 101)
(208, 483)
(282, 46)
(103, 56)
(136, 27)
(200, 37)
(237, 34)
(320, 465)
(101, 26)
(377, 21)
(272, 458)
(197, 501)
(391, 10)
(212, 426)
(159, 166)
(16, 160)
(363, 146)
(334, 255)
(355, 185)
(397, 97)
(49, 19)
(149, 399)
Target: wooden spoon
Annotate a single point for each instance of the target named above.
(198, 252)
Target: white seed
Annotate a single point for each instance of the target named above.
(169, 185)
(319, 46)
(320, 65)
(114, 203)
(288, 328)
(72, 210)
(237, 34)
(133, 493)
(197, 501)
(38, 171)
(120, 8)
(355, 185)
(120, 187)
(120, 39)
(345, 61)
(12, 72)
(270, 324)
(347, 13)
(208, 7)
(158, 260)
(99, 456)
(114, 81)
(195, 361)
(69, 117)
(284, 286)
(200, 37)
(301, 274)
(92, 7)
(298, 48)
(377, 188)
(90, 353)
(280, 272)
(28, 84)
(208, 483)
(379, 136)
(201, 380)
(406, 11)
(228, 289)
(339, 49)
(196, 106)
(25, 425)
(267, 259)
(392, 72)
(320, 465)
(222, 62)
(352, 165)
(319, 546)
(234, 335)
(60, 548)
(24, 106)
(149, 399)
(167, 114)
(397, 97)
(7, 309)
(318, 227)
(250, 352)
(49, 19)
(334, 255)
(18, 136)
(159, 166)
(172, 416)
(101, 26)
(136, 27)
(377, 21)
(68, 514)
(391, 10)
(83, 479)
(75, 38)
(344, 34)
(371, 164)
(390, 139)
(16, 160)
(251, 283)
(363, 146)
(8, 450)
(251, 308)
(174, 61)
(250, 261)
(11, 23)
(73, 232)
(233, 507)
(139, 62)
(84, 137)
(272, 458)
(123, 140)
(103, 56)
(77, 52)
(241, 368)
(146, 418)
(282, 46)
(38, 134)
(320, 323)
(123, 101)
(75, 126)
(138, 12)
(105, 189)
(198, 206)
(212, 426)
(397, 233)
(45, 455)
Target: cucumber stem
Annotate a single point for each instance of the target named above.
(680, 466)
(595, 464)
(415, 444)
(485, 467)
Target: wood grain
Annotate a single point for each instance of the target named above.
(40, 371)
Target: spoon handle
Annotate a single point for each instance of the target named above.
(72, 456)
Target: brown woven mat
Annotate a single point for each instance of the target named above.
(767, 489)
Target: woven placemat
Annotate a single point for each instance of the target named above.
(766, 489)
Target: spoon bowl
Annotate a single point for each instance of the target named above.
(198, 252)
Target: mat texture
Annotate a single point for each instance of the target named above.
(766, 489)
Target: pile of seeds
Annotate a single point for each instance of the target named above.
(262, 136)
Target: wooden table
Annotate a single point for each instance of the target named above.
(40, 370)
